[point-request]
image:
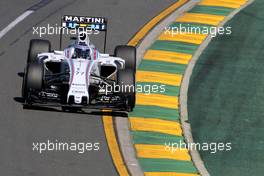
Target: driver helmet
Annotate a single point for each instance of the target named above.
(81, 51)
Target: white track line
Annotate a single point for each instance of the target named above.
(15, 22)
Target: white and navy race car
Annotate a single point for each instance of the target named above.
(79, 76)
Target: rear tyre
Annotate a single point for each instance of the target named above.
(37, 46)
(126, 81)
(128, 53)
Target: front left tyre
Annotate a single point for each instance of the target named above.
(126, 77)
(126, 82)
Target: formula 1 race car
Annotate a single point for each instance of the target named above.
(80, 76)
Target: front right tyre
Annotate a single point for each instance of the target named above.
(33, 80)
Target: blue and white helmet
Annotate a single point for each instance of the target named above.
(81, 49)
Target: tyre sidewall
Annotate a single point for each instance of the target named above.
(37, 46)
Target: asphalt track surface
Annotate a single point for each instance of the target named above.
(226, 96)
(20, 128)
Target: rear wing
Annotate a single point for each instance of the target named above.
(72, 22)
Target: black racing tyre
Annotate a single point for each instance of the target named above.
(126, 82)
(24, 88)
(37, 46)
(34, 77)
(128, 53)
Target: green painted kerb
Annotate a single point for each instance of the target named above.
(167, 114)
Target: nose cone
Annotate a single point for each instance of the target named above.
(79, 83)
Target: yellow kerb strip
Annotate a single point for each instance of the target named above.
(141, 34)
(167, 56)
(162, 152)
(223, 3)
(157, 100)
(107, 120)
(201, 18)
(184, 37)
(159, 77)
(168, 174)
(155, 125)
(113, 145)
